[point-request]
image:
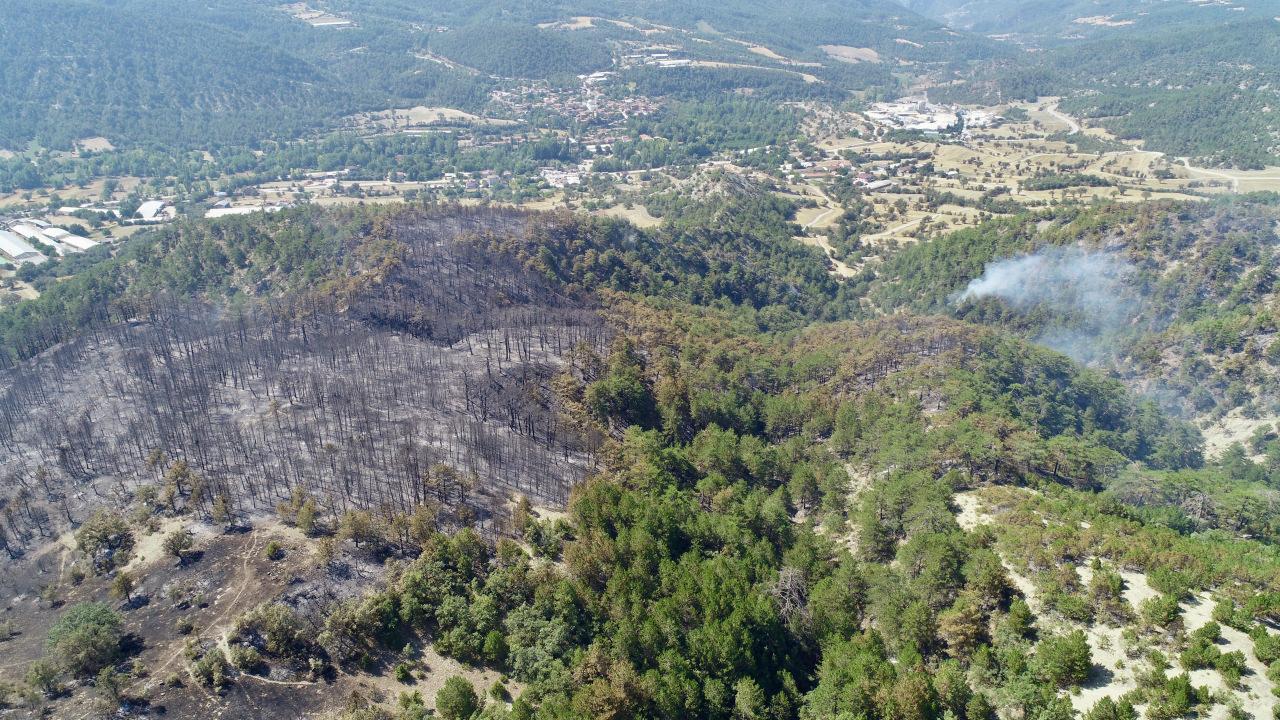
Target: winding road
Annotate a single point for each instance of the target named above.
(1074, 127)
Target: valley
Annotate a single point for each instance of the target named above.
(607, 359)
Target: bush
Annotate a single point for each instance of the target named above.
(1231, 666)
(211, 669)
(110, 685)
(1266, 647)
(273, 551)
(1226, 613)
(105, 538)
(1064, 660)
(44, 675)
(86, 638)
(246, 657)
(1161, 611)
(282, 632)
(178, 543)
(457, 699)
(1108, 709)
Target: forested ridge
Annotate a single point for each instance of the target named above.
(201, 75)
(759, 520)
(1186, 88)
(1197, 309)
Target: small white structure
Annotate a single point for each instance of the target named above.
(241, 210)
(29, 232)
(151, 210)
(560, 178)
(77, 243)
(18, 250)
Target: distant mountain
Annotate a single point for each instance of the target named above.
(1052, 22)
(145, 72)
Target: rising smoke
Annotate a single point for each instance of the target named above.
(1085, 297)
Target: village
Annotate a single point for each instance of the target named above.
(911, 165)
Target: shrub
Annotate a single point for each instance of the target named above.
(1108, 709)
(281, 631)
(1161, 611)
(273, 551)
(110, 685)
(1019, 620)
(178, 543)
(457, 699)
(105, 538)
(1064, 660)
(1231, 666)
(1266, 647)
(245, 657)
(210, 669)
(86, 638)
(1226, 613)
(44, 675)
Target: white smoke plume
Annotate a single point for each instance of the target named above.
(1088, 295)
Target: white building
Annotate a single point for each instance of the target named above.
(29, 232)
(241, 210)
(77, 243)
(18, 250)
(152, 210)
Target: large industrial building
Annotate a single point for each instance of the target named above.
(17, 250)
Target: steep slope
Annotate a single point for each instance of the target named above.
(1048, 22)
(197, 74)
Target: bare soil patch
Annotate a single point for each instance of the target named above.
(846, 53)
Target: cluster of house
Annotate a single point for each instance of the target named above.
(655, 56)
(316, 18)
(561, 178)
(18, 240)
(917, 113)
(588, 103)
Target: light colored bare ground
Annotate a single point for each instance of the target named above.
(386, 689)
(1112, 677)
(1232, 428)
(95, 144)
(149, 549)
(971, 514)
(710, 63)
(1255, 691)
(1112, 680)
(637, 215)
(420, 115)
(1102, 21)
(859, 480)
(763, 51)
(838, 267)
(846, 53)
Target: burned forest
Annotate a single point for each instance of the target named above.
(427, 378)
